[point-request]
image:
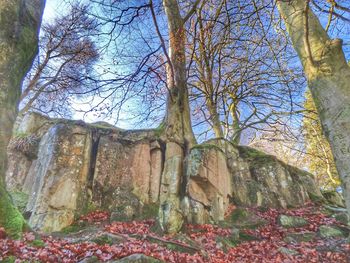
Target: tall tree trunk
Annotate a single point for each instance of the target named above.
(19, 24)
(178, 131)
(328, 76)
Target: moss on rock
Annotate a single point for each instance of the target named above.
(12, 221)
(20, 200)
(244, 219)
(291, 221)
(207, 146)
(256, 157)
(37, 243)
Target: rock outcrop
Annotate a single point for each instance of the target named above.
(72, 166)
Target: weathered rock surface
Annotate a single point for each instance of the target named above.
(299, 237)
(333, 231)
(243, 218)
(138, 258)
(57, 180)
(209, 184)
(334, 198)
(291, 221)
(77, 166)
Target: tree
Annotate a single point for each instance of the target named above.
(240, 82)
(178, 129)
(138, 65)
(64, 64)
(328, 76)
(20, 22)
(318, 155)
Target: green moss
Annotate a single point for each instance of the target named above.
(239, 214)
(18, 134)
(315, 198)
(19, 199)
(244, 219)
(10, 218)
(227, 242)
(102, 125)
(159, 131)
(37, 243)
(150, 211)
(103, 240)
(253, 190)
(72, 228)
(256, 157)
(12, 259)
(247, 237)
(9, 259)
(27, 43)
(248, 152)
(207, 146)
(263, 209)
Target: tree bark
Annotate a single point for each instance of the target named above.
(215, 119)
(178, 131)
(328, 76)
(19, 24)
(236, 129)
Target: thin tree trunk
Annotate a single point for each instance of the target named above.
(236, 129)
(215, 119)
(178, 132)
(20, 21)
(206, 74)
(328, 76)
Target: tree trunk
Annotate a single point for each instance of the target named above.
(178, 131)
(236, 129)
(215, 119)
(328, 76)
(19, 24)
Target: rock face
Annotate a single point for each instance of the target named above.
(59, 176)
(291, 221)
(75, 166)
(209, 185)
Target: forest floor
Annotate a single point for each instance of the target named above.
(250, 235)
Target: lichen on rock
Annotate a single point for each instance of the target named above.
(80, 165)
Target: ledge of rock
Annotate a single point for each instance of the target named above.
(76, 166)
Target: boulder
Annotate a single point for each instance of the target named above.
(334, 198)
(59, 177)
(74, 166)
(272, 183)
(138, 258)
(342, 217)
(20, 159)
(291, 221)
(209, 182)
(288, 251)
(243, 218)
(298, 237)
(333, 231)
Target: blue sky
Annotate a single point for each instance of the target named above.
(53, 8)
(56, 7)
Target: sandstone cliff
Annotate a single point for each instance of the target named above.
(59, 169)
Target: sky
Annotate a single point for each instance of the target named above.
(56, 7)
(52, 8)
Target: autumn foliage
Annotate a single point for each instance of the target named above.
(138, 236)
